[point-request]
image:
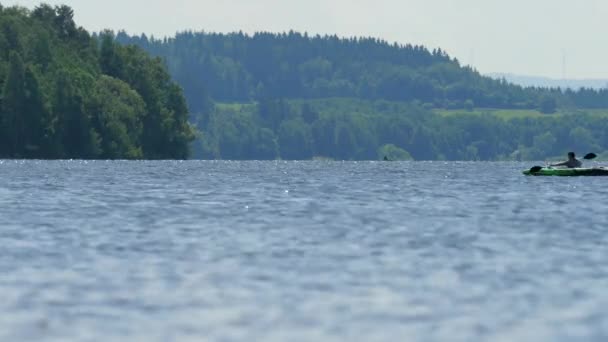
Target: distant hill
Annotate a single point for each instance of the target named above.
(535, 81)
(238, 67)
(295, 96)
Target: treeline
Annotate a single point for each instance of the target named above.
(238, 67)
(67, 94)
(347, 129)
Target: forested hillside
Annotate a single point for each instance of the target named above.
(292, 96)
(240, 68)
(66, 94)
(347, 129)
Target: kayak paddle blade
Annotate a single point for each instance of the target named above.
(590, 156)
(536, 169)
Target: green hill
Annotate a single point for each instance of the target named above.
(295, 96)
(354, 129)
(240, 68)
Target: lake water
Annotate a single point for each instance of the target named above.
(300, 251)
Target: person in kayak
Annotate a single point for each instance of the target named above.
(571, 163)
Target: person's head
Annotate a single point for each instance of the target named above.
(571, 155)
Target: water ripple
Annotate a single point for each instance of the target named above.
(300, 251)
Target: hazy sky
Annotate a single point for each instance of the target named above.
(531, 37)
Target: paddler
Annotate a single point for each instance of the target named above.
(571, 163)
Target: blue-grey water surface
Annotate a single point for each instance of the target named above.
(300, 251)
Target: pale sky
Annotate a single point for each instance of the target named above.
(529, 37)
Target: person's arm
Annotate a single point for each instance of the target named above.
(560, 164)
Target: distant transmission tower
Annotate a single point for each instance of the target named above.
(563, 64)
(472, 58)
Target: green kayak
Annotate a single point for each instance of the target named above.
(548, 171)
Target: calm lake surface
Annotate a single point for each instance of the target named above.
(300, 251)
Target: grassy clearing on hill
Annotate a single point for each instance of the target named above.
(508, 114)
(502, 113)
(236, 107)
(371, 107)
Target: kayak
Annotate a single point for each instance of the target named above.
(548, 171)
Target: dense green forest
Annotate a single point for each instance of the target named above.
(67, 94)
(347, 129)
(292, 96)
(240, 68)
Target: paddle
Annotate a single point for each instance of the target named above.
(589, 156)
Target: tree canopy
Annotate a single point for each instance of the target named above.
(67, 94)
(295, 96)
(352, 129)
(237, 67)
